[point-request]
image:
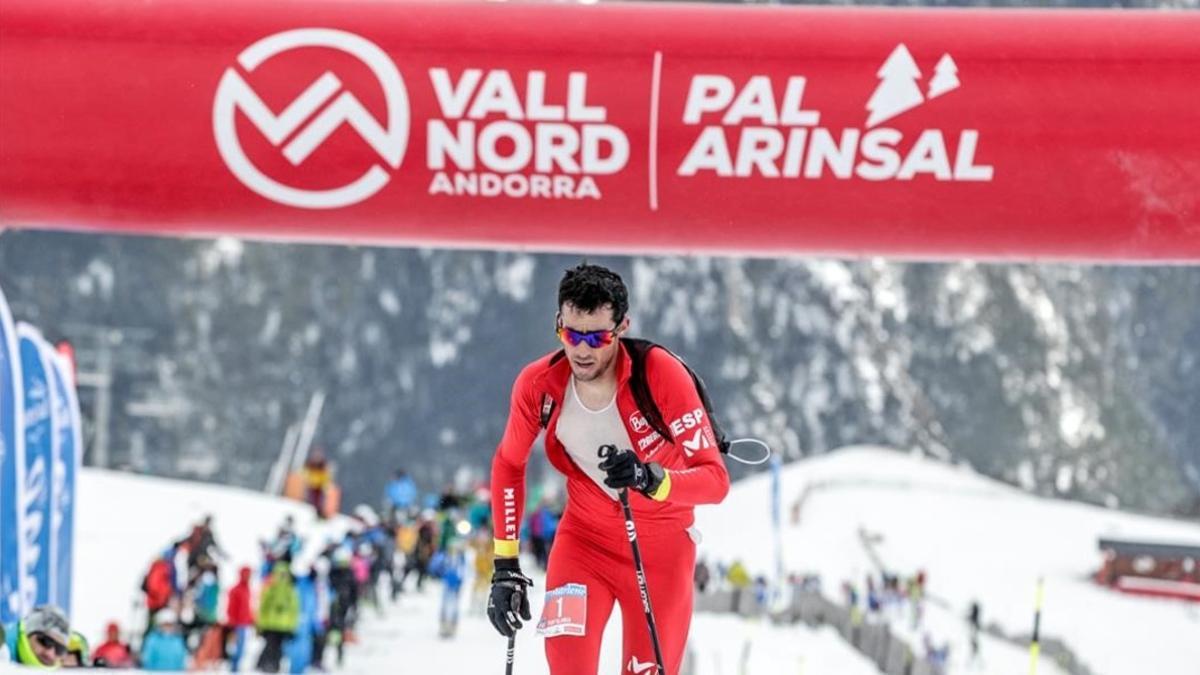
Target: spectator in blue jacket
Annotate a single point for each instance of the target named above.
(451, 567)
(543, 525)
(401, 492)
(303, 649)
(164, 650)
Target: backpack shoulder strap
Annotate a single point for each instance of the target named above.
(640, 387)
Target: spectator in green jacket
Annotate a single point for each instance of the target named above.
(278, 616)
(79, 653)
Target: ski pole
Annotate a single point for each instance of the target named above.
(605, 452)
(512, 645)
(1035, 645)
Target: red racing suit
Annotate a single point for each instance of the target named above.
(591, 546)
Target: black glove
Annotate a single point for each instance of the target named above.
(625, 470)
(509, 597)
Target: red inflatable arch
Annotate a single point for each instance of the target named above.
(627, 128)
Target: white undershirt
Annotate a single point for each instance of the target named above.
(582, 431)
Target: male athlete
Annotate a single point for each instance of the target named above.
(581, 395)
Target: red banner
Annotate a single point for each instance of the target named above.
(632, 128)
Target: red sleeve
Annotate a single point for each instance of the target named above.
(508, 465)
(704, 479)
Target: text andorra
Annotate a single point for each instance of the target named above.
(565, 144)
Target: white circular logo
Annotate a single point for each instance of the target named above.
(233, 94)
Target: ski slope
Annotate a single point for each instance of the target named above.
(125, 520)
(976, 539)
(407, 637)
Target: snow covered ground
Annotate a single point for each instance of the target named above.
(126, 520)
(407, 637)
(976, 539)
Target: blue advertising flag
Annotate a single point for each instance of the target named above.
(12, 455)
(68, 441)
(34, 480)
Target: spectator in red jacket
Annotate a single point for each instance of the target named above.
(113, 653)
(157, 585)
(240, 618)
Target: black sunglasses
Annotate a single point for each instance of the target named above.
(45, 642)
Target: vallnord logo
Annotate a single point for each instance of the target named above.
(296, 128)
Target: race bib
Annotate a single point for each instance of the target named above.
(565, 612)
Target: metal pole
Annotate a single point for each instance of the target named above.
(1035, 645)
(307, 429)
(276, 476)
(103, 407)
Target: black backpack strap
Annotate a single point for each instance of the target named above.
(640, 388)
(723, 442)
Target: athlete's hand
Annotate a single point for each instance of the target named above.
(624, 470)
(509, 601)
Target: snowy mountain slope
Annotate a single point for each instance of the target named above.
(975, 538)
(125, 520)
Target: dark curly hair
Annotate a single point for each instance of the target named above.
(588, 288)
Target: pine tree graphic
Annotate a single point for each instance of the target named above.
(945, 77)
(898, 89)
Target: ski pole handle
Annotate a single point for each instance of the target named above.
(608, 450)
